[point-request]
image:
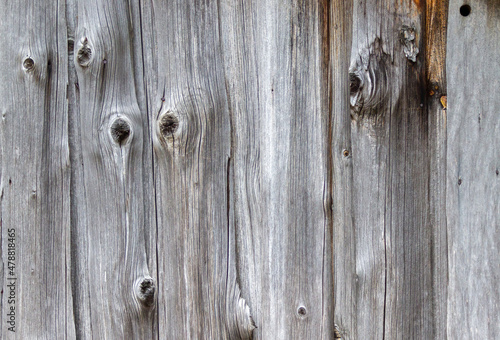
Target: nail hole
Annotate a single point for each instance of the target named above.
(465, 10)
(497, 172)
(459, 181)
(28, 64)
(168, 124)
(120, 130)
(346, 153)
(302, 311)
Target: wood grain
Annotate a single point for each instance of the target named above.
(473, 162)
(275, 58)
(199, 295)
(34, 158)
(385, 273)
(279, 169)
(434, 50)
(114, 290)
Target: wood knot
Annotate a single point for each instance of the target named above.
(28, 64)
(120, 131)
(368, 82)
(145, 291)
(84, 54)
(180, 125)
(355, 83)
(246, 324)
(407, 37)
(168, 124)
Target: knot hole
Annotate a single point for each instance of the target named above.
(168, 124)
(145, 291)
(354, 83)
(120, 131)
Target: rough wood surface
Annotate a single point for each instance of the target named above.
(275, 53)
(473, 180)
(199, 296)
(34, 158)
(114, 292)
(278, 169)
(386, 284)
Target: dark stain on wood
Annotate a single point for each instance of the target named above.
(120, 131)
(368, 82)
(436, 19)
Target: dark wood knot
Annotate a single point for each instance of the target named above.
(120, 131)
(145, 291)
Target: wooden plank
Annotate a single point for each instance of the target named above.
(114, 290)
(344, 256)
(34, 158)
(275, 58)
(473, 164)
(199, 295)
(434, 51)
(384, 280)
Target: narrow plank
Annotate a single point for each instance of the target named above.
(114, 290)
(434, 51)
(389, 291)
(344, 246)
(473, 164)
(199, 297)
(34, 158)
(275, 61)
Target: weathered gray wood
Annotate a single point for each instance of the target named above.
(386, 285)
(114, 290)
(434, 52)
(34, 159)
(275, 58)
(279, 169)
(344, 248)
(199, 297)
(473, 164)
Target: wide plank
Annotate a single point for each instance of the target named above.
(275, 61)
(473, 167)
